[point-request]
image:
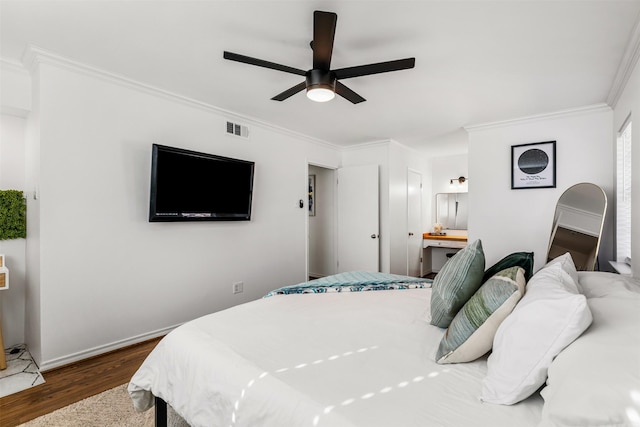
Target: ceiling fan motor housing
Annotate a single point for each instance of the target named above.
(320, 79)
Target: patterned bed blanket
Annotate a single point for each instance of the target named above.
(354, 281)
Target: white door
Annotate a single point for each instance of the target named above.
(358, 219)
(414, 223)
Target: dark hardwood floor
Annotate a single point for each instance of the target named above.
(74, 382)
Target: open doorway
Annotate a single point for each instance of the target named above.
(321, 251)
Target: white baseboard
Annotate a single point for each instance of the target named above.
(85, 354)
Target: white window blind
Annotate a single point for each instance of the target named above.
(623, 194)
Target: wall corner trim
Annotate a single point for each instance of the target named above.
(626, 67)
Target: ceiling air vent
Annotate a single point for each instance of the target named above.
(237, 130)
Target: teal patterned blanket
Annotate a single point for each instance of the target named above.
(354, 281)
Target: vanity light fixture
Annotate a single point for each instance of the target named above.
(460, 180)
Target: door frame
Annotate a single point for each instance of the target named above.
(334, 231)
(419, 173)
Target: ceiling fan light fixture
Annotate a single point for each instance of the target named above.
(320, 94)
(321, 85)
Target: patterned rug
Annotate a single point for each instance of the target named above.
(21, 373)
(110, 408)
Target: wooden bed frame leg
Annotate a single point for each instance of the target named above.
(161, 412)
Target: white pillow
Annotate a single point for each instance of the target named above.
(550, 315)
(596, 380)
(567, 264)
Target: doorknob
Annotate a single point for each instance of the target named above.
(373, 236)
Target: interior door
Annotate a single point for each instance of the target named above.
(414, 223)
(358, 219)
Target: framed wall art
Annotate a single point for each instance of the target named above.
(533, 165)
(312, 195)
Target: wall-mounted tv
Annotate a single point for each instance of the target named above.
(192, 186)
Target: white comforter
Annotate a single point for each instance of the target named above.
(335, 359)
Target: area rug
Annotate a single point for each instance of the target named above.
(21, 373)
(111, 408)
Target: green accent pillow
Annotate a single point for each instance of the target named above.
(458, 280)
(471, 332)
(516, 259)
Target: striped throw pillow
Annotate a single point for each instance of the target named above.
(471, 332)
(456, 282)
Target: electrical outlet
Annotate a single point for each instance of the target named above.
(237, 287)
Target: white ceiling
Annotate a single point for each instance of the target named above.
(476, 61)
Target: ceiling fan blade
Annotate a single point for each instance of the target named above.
(348, 94)
(380, 67)
(262, 63)
(290, 92)
(324, 30)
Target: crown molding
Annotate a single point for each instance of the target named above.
(589, 109)
(367, 145)
(626, 67)
(13, 65)
(34, 56)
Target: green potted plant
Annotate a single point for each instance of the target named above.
(13, 215)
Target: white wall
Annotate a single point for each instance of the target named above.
(447, 167)
(32, 320)
(15, 87)
(322, 229)
(12, 177)
(444, 169)
(105, 275)
(629, 104)
(520, 220)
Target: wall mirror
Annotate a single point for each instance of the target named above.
(577, 225)
(452, 210)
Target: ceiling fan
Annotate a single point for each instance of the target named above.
(321, 82)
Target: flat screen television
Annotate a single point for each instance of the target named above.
(192, 186)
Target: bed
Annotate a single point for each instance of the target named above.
(340, 353)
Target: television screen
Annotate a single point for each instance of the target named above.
(191, 186)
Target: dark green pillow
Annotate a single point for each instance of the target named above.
(516, 259)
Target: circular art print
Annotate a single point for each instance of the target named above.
(533, 165)
(533, 161)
